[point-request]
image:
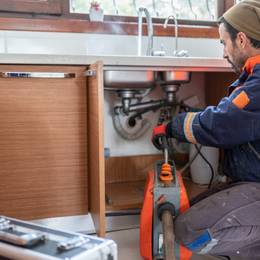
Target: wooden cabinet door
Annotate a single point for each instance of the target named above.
(96, 159)
(43, 157)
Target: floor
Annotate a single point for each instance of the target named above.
(128, 246)
(127, 242)
(124, 230)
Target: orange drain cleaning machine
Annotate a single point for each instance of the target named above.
(165, 197)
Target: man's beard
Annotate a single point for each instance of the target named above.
(234, 67)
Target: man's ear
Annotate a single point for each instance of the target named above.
(242, 40)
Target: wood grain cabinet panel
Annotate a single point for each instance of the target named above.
(43, 143)
(96, 166)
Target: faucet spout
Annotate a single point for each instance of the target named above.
(176, 52)
(176, 31)
(149, 51)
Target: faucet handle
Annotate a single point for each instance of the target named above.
(161, 52)
(158, 53)
(181, 53)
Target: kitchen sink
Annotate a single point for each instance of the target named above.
(175, 77)
(143, 79)
(128, 79)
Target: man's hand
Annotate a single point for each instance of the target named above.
(159, 133)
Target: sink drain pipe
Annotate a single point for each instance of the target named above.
(145, 125)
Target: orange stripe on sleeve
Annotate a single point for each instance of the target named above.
(188, 127)
(241, 100)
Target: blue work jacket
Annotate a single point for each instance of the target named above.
(234, 124)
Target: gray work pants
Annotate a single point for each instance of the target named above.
(225, 223)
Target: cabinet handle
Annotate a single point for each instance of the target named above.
(22, 74)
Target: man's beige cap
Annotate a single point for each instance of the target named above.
(245, 17)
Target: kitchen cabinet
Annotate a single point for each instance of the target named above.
(45, 153)
(217, 86)
(43, 126)
(52, 138)
(125, 176)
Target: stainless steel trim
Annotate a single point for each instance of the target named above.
(90, 73)
(21, 240)
(4, 223)
(206, 68)
(149, 23)
(23, 74)
(72, 243)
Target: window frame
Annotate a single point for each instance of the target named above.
(29, 6)
(113, 24)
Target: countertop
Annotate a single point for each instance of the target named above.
(123, 62)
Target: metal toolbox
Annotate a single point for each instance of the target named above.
(27, 241)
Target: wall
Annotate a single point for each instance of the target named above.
(97, 44)
(100, 44)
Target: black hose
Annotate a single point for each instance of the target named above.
(210, 166)
(185, 167)
(123, 213)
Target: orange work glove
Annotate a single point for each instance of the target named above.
(159, 132)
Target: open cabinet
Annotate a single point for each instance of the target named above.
(52, 160)
(43, 141)
(51, 142)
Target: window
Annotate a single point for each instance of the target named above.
(197, 18)
(184, 9)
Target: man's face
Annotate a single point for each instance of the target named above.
(232, 51)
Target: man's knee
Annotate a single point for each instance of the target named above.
(180, 229)
(189, 234)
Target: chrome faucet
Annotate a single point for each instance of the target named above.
(149, 51)
(181, 53)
